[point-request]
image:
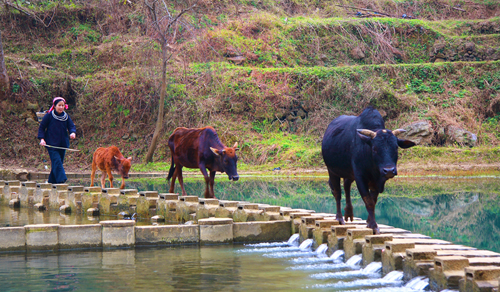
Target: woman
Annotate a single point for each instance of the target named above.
(53, 131)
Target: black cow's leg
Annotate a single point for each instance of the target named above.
(348, 213)
(178, 169)
(212, 178)
(369, 204)
(207, 179)
(373, 224)
(334, 183)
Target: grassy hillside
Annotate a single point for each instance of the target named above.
(268, 74)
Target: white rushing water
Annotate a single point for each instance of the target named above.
(333, 273)
(306, 245)
(418, 283)
(321, 250)
(338, 256)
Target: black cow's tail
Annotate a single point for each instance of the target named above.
(172, 169)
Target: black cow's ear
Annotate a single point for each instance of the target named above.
(365, 138)
(405, 143)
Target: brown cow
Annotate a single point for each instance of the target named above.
(108, 159)
(201, 148)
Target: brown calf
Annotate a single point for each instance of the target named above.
(108, 159)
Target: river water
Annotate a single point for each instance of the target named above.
(463, 210)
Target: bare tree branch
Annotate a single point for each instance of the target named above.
(163, 38)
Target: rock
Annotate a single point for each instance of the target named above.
(357, 53)
(470, 46)
(237, 60)
(323, 57)
(158, 218)
(125, 137)
(30, 121)
(420, 133)
(439, 60)
(438, 47)
(66, 209)
(460, 136)
(301, 113)
(32, 106)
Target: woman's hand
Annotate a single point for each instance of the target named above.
(42, 142)
(72, 135)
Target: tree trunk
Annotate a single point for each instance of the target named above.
(4, 78)
(159, 121)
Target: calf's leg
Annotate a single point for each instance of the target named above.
(92, 176)
(103, 179)
(123, 183)
(110, 177)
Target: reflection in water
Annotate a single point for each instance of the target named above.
(464, 210)
(461, 210)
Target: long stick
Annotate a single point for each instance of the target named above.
(61, 148)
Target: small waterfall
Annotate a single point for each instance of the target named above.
(354, 260)
(394, 276)
(293, 240)
(306, 245)
(418, 283)
(337, 256)
(321, 250)
(373, 268)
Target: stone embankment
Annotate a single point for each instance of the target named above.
(210, 221)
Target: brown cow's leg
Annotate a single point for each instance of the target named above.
(348, 214)
(178, 169)
(207, 179)
(334, 183)
(172, 182)
(212, 178)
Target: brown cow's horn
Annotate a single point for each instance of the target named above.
(215, 151)
(398, 131)
(367, 133)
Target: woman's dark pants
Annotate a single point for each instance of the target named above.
(57, 174)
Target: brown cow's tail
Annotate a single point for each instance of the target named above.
(172, 169)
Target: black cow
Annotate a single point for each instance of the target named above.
(360, 149)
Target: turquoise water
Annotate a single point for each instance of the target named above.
(461, 210)
(191, 268)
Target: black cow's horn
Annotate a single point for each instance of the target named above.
(398, 131)
(367, 133)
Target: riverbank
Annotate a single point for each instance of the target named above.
(428, 168)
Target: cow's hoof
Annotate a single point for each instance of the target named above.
(375, 228)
